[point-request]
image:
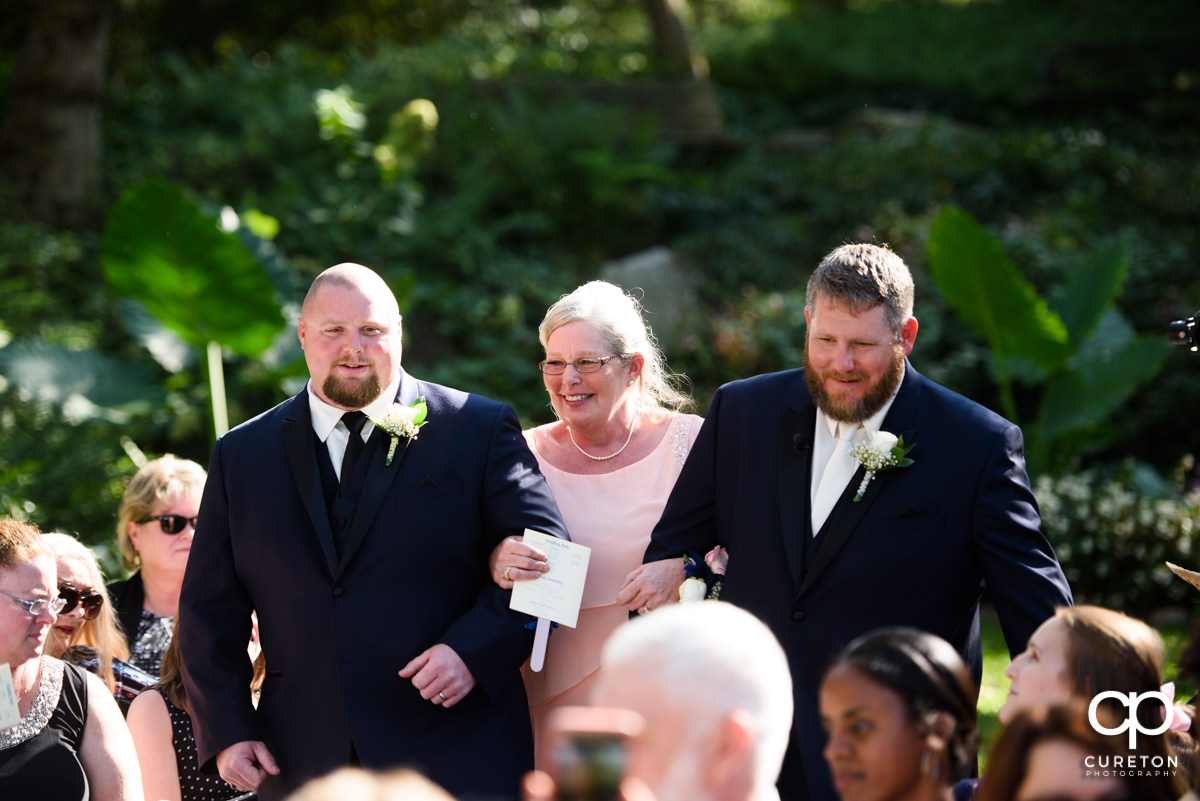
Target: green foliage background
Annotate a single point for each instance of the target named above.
(1063, 128)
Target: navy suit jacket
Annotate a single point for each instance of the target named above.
(917, 550)
(335, 629)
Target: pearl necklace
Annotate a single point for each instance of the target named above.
(601, 458)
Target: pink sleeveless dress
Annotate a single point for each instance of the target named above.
(613, 514)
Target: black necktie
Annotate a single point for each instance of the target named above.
(354, 445)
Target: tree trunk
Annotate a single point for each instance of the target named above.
(676, 56)
(50, 140)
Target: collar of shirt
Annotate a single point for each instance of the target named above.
(326, 417)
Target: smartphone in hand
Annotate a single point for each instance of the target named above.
(586, 750)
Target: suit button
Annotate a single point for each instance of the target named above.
(799, 615)
(338, 592)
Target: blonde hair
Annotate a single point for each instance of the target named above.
(159, 480)
(617, 317)
(400, 784)
(103, 634)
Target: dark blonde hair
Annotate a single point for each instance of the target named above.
(1108, 650)
(159, 480)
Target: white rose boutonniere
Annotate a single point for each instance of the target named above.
(882, 452)
(402, 421)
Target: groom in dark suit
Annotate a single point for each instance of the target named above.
(386, 642)
(771, 479)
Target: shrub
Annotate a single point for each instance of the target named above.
(1114, 528)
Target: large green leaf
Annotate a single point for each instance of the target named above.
(84, 383)
(1092, 289)
(986, 290)
(1088, 393)
(160, 249)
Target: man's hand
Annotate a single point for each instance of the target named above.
(440, 675)
(513, 560)
(652, 585)
(246, 764)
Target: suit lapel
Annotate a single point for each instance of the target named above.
(795, 464)
(380, 477)
(302, 459)
(847, 515)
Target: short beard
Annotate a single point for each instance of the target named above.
(350, 395)
(865, 407)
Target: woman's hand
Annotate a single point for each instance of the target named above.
(512, 561)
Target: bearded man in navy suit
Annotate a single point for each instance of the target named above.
(821, 557)
(365, 556)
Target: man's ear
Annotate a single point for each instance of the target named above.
(908, 335)
(727, 753)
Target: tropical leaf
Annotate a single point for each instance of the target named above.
(82, 382)
(1088, 393)
(989, 294)
(1091, 290)
(161, 250)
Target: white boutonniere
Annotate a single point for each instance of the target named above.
(402, 421)
(882, 452)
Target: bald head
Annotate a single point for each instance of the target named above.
(349, 275)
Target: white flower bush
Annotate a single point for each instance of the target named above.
(1114, 528)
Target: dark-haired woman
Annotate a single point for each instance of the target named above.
(898, 706)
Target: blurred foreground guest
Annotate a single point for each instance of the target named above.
(87, 626)
(166, 745)
(155, 525)
(898, 706)
(713, 687)
(71, 743)
(1086, 650)
(610, 459)
(355, 784)
(1054, 753)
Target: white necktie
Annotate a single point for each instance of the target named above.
(838, 472)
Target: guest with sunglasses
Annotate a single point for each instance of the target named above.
(155, 524)
(70, 743)
(86, 627)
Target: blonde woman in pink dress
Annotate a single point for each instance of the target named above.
(610, 459)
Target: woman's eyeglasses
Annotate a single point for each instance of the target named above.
(40, 605)
(90, 600)
(589, 364)
(171, 524)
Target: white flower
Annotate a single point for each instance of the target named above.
(883, 440)
(693, 589)
(883, 452)
(402, 421)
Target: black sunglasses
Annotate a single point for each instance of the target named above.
(90, 601)
(171, 524)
